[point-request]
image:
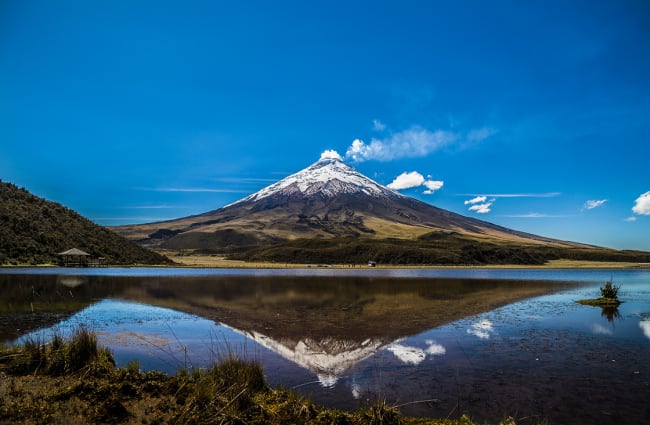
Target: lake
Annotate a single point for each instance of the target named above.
(435, 342)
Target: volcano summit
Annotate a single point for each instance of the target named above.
(329, 212)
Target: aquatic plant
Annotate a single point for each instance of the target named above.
(610, 290)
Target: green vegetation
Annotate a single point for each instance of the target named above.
(33, 230)
(608, 296)
(610, 291)
(443, 248)
(75, 381)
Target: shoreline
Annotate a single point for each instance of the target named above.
(216, 262)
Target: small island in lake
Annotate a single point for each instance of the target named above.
(608, 296)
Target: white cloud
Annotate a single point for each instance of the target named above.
(432, 186)
(631, 219)
(480, 204)
(406, 181)
(414, 179)
(330, 154)
(642, 204)
(536, 215)
(476, 200)
(412, 143)
(591, 204)
(482, 208)
(378, 125)
(519, 195)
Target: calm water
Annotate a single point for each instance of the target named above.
(435, 342)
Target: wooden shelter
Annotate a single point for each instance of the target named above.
(74, 258)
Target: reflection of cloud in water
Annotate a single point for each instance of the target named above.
(415, 355)
(600, 330)
(435, 349)
(356, 391)
(645, 327)
(327, 380)
(482, 329)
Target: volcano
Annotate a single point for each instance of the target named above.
(329, 200)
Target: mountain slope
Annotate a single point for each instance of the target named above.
(33, 230)
(327, 199)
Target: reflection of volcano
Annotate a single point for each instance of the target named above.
(328, 324)
(328, 359)
(324, 324)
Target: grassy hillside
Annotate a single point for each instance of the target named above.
(444, 248)
(33, 230)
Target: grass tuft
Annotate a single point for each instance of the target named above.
(59, 356)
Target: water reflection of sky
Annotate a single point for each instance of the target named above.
(158, 338)
(496, 352)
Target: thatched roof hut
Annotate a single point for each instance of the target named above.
(74, 258)
(73, 252)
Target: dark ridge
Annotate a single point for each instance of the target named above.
(33, 230)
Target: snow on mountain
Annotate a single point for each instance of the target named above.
(329, 177)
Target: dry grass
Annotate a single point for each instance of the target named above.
(232, 391)
(187, 258)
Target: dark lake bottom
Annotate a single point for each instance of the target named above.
(436, 343)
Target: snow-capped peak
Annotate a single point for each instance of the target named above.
(329, 176)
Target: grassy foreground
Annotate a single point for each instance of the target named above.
(75, 381)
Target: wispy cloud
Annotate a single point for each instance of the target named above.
(246, 179)
(378, 125)
(476, 200)
(152, 207)
(193, 190)
(631, 219)
(414, 142)
(642, 204)
(408, 180)
(480, 204)
(477, 136)
(482, 208)
(515, 195)
(591, 204)
(535, 215)
(130, 220)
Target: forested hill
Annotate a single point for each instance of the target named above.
(33, 230)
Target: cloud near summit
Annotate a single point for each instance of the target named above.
(413, 142)
(330, 154)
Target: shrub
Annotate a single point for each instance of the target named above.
(610, 290)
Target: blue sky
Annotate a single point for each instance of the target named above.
(533, 115)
